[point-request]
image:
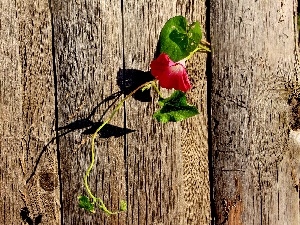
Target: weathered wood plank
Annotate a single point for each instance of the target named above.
(153, 156)
(88, 54)
(27, 114)
(167, 184)
(10, 117)
(254, 47)
(194, 134)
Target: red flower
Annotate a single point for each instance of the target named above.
(170, 74)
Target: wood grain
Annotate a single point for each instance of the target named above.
(27, 114)
(88, 46)
(194, 133)
(161, 178)
(153, 150)
(254, 66)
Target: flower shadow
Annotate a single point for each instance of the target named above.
(130, 79)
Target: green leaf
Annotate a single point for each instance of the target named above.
(123, 206)
(86, 204)
(175, 108)
(177, 39)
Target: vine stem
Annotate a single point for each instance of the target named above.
(88, 171)
(157, 90)
(201, 47)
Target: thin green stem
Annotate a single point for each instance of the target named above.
(88, 171)
(156, 89)
(201, 47)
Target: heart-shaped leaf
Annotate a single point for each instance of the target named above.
(175, 108)
(177, 39)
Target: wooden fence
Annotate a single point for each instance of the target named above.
(63, 63)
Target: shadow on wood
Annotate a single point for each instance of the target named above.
(130, 79)
(26, 218)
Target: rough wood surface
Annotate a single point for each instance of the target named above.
(27, 114)
(194, 133)
(255, 169)
(152, 151)
(172, 186)
(88, 55)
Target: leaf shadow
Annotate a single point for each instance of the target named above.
(108, 130)
(24, 213)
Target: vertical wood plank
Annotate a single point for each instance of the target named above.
(167, 163)
(10, 117)
(88, 55)
(154, 182)
(254, 71)
(27, 114)
(194, 135)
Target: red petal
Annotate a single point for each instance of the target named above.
(169, 74)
